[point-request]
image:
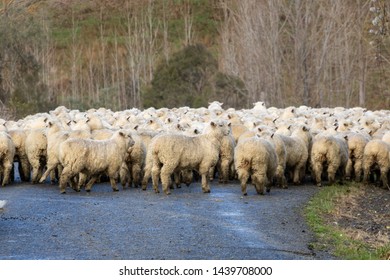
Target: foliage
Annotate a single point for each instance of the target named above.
(21, 86)
(191, 78)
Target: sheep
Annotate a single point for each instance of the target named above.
(55, 136)
(174, 152)
(132, 169)
(255, 158)
(36, 150)
(7, 154)
(238, 130)
(356, 143)
(280, 149)
(332, 151)
(18, 137)
(296, 157)
(377, 156)
(93, 157)
(226, 158)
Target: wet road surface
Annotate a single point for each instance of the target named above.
(40, 223)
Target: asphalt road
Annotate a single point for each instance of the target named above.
(40, 223)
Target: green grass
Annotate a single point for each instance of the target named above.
(331, 237)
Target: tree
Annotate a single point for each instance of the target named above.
(191, 78)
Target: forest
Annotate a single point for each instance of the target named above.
(121, 54)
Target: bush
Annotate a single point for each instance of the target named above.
(191, 78)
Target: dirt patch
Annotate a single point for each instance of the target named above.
(364, 214)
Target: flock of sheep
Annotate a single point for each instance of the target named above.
(268, 146)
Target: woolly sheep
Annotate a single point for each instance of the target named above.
(18, 137)
(36, 150)
(377, 156)
(226, 159)
(332, 151)
(92, 158)
(7, 153)
(132, 169)
(175, 152)
(55, 136)
(356, 143)
(297, 153)
(281, 153)
(255, 158)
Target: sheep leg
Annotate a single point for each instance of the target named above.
(358, 170)
(368, 162)
(223, 171)
(124, 175)
(176, 177)
(113, 180)
(166, 172)
(317, 171)
(65, 176)
(90, 183)
(136, 174)
(50, 167)
(243, 176)
(7, 173)
(385, 183)
(145, 179)
(259, 180)
(81, 182)
(212, 173)
(297, 174)
(155, 177)
(24, 169)
(349, 169)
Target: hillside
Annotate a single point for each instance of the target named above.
(92, 53)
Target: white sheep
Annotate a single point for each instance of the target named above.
(132, 169)
(36, 150)
(7, 153)
(356, 145)
(91, 158)
(18, 137)
(174, 152)
(255, 158)
(225, 165)
(331, 151)
(55, 136)
(281, 153)
(377, 156)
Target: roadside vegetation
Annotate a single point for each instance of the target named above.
(351, 221)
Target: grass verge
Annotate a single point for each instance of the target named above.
(329, 236)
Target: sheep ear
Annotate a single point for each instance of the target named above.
(136, 127)
(128, 118)
(229, 124)
(150, 121)
(121, 133)
(229, 116)
(272, 136)
(370, 132)
(178, 126)
(213, 124)
(346, 137)
(50, 124)
(289, 127)
(169, 120)
(45, 120)
(69, 122)
(259, 129)
(336, 128)
(196, 131)
(304, 128)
